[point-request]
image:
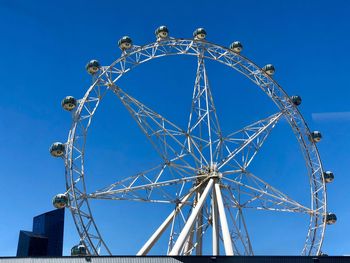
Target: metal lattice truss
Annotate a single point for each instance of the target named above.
(203, 172)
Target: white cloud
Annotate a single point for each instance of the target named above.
(331, 116)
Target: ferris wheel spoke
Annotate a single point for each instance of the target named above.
(168, 139)
(254, 193)
(239, 233)
(247, 142)
(203, 125)
(155, 185)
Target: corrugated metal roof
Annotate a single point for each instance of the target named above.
(92, 260)
(182, 259)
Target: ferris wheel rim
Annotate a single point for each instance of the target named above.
(171, 42)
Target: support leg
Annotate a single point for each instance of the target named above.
(190, 222)
(223, 221)
(215, 225)
(154, 238)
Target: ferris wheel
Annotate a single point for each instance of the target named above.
(203, 173)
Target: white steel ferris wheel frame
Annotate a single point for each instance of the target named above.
(207, 178)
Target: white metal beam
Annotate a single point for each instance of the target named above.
(223, 222)
(156, 235)
(191, 220)
(215, 225)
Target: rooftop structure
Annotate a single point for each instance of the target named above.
(46, 238)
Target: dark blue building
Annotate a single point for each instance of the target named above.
(31, 244)
(46, 239)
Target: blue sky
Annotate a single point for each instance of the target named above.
(44, 49)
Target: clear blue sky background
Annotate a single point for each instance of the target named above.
(44, 48)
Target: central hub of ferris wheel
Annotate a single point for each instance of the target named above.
(206, 172)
